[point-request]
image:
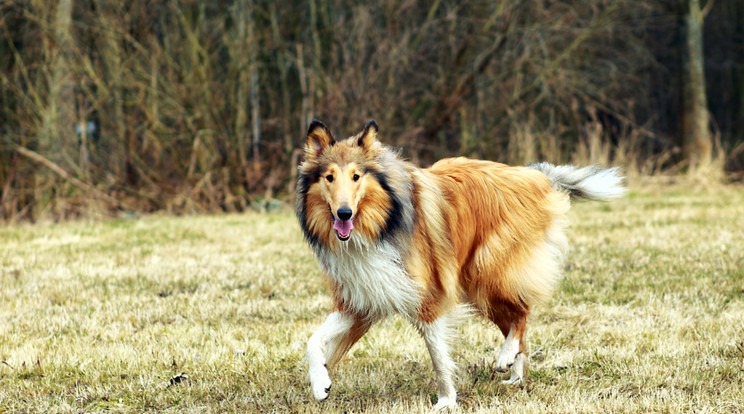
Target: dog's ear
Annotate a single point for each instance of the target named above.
(369, 135)
(319, 138)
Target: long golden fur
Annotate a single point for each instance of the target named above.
(394, 238)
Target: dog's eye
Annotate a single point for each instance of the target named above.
(356, 177)
(329, 177)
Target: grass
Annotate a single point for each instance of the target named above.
(98, 316)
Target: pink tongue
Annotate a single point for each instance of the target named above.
(343, 227)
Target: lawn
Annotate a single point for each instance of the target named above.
(102, 317)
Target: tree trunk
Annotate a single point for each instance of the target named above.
(696, 136)
(242, 63)
(58, 119)
(255, 103)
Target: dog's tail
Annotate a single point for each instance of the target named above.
(588, 183)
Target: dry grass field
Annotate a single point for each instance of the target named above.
(99, 316)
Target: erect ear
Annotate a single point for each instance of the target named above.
(369, 135)
(319, 138)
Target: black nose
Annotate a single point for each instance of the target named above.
(344, 213)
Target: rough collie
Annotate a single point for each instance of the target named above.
(393, 238)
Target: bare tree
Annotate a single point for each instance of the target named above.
(59, 114)
(696, 136)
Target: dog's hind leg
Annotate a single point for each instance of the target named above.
(518, 369)
(512, 322)
(328, 344)
(436, 335)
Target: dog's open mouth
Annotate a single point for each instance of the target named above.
(343, 228)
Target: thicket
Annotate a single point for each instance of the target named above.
(196, 106)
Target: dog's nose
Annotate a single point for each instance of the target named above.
(344, 213)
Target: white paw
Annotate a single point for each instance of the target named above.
(517, 370)
(320, 383)
(512, 380)
(506, 358)
(508, 354)
(444, 403)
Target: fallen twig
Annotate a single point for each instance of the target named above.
(64, 174)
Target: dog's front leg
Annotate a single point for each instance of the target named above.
(436, 335)
(328, 344)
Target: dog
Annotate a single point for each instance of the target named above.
(392, 238)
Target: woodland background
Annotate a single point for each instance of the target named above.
(111, 107)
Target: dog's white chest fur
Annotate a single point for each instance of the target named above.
(371, 278)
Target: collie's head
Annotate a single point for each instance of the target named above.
(351, 188)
